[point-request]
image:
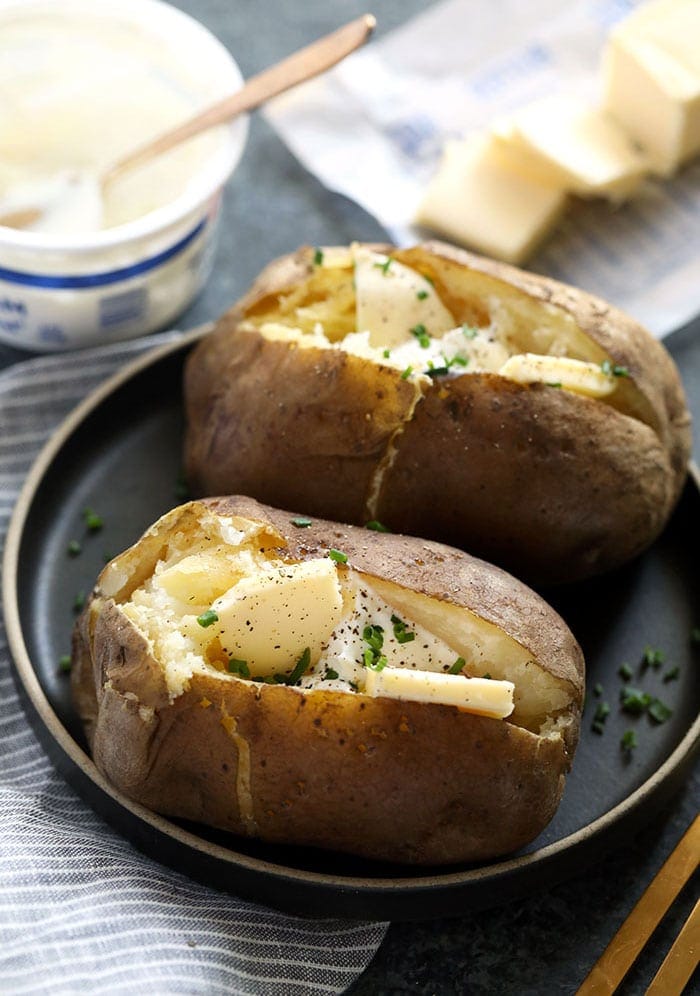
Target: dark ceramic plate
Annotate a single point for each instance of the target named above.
(119, 454)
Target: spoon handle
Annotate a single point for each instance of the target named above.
(302, 65)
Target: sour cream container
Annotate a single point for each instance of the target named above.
(81, 83)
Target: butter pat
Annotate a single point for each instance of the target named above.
(559, 371)
(265, 618)
(651, 72)
(479, 695)
(392, 299)
(564, 141)
(479, 201)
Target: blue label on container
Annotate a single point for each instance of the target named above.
(118, 309)
(75, 282)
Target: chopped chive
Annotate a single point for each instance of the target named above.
(658, 711)
(298, 670)
(384, 267)
(625, 672)
(406, 373)
(318, 256)
(437, 371)
(237, 666)
(421, 334)
(672, 674)
(74, 548)
(653, 658)
(401, 631)
(386, 354)
(469, 331)
(613, 370)
(93, 521)
(487, 675)
(301, 522)
(79, 602)
(457, 666)
(421, 295)
(107, 556)
(64, 663)
(377, 526)
(207, 618)
(376, 663)
(330, 675)
(598, 689)
(634, 700)
(553, 383)
(629, 740)
(338, 556)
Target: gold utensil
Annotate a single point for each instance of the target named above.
(308, 62)
(622, 951)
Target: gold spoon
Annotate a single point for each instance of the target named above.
(308, 62)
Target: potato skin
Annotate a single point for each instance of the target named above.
(552, 486)
(379, 778)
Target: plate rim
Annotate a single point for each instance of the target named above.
(23, 672)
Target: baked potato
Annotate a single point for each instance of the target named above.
(318, 684)
(444, 395)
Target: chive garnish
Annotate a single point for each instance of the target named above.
(653, 658)
(64, 663)
(421, 295)
(377, 526)
(634, 700)
(207, 618)
(237, 666)
(672, 674)
(318, 256)
(613, 370)
(469, 331)
(79, 601)
(401, 631)
(74, 548)
(384, 267)
(301, 522)
(658, 711)
(421, 334)
(338, 556)
(457, 666)
(93, 521)
(406, 373)
(298, 670)
(629, 740)
(330, 675)
(598, 689)
(625, 672)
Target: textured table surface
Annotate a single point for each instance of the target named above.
(545, 943)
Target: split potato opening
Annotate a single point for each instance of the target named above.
(225, 599)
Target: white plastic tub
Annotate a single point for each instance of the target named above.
(63, 291)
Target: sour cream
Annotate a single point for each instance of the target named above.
(78, 93)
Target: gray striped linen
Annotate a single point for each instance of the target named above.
(80, 910)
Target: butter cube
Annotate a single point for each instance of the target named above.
(270, 618)
(576, 146)
(651, 72)
(479, 201)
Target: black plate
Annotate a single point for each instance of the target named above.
(119, 454)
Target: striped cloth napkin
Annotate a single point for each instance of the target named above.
(80, 910)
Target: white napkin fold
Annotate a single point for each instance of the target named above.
(80, 909)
